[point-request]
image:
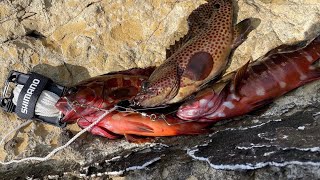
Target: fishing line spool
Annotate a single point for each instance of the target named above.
(33, 86)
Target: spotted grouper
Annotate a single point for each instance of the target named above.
(202, 55)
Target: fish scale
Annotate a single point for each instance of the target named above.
(101, 92)
(130, 124)
(199, 57)
(280, 71)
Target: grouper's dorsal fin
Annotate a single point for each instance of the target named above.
(241, 72)
(197, 21)
(177, 45)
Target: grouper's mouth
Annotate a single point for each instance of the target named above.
(147, 100)
(140, 100)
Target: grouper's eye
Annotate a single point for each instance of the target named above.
(217, 6)
(144, 85)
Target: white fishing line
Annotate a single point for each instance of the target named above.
(45, 105)
(61, 147)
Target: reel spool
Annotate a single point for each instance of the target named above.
(33, 85)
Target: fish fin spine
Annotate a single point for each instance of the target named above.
(240, 74)
(242, 30)
(139, 127)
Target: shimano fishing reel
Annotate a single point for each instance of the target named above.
(24, 104)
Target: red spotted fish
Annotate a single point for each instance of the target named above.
(85, 102)
(199, 57)
(278, 72)
(101, 92)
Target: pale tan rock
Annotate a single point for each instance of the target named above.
(88, 38)
(282, 22)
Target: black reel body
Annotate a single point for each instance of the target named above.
(33, 85)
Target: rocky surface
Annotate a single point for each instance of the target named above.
(70, 41)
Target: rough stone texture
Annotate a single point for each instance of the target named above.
(70, 41)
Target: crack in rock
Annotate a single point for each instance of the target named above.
(275, 142)
(119, 165)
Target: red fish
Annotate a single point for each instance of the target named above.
(128, 124)
(278, 72)
(199, 57)
(101, 92)
(86, 101)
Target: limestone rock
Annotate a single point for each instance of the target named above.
(70, 41)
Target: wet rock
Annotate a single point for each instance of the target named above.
(70, 41)
(271, 141)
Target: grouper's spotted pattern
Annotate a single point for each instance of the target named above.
(199, 57)
(252, 86)
(213, 40)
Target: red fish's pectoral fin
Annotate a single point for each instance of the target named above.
(139, 128)
(242, 30)
(138, 139)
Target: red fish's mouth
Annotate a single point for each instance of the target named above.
(197, 108)
(189, 111)
(70, 116)
(73, 112)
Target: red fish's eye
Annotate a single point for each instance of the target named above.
(144, 85)
(71, 90)
(217, 6)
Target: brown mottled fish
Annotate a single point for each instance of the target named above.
(202, 55)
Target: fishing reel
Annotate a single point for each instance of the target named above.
(25, 103)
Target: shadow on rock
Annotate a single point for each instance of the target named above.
(66, 74)
(313, 31)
